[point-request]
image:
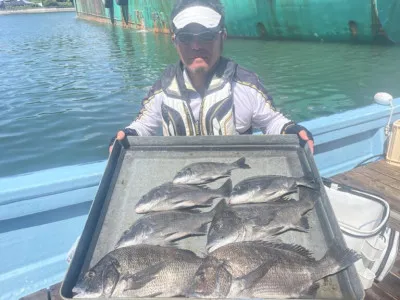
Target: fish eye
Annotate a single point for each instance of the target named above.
(201, 274)
(91, 274)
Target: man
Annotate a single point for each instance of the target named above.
(205, 93)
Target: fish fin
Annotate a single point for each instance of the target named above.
(299, 250)
(335, 259)
(274, 239)
(266, 219)
(226, 189)
(240, 163)
(174, 236)
(209, 203)
(250, 279)
(283, 200)
(309, 291)
(192, 210)
(168, 243)
(277, 230)
(204, 185)
(177, 201)
(141, 278)
(153, 295)
(308, 197)
(110, 277)
(286, 198)
(289, 247)
(170, 239)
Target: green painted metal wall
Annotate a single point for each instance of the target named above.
(316, 20)
(320, 20)
(388, 12)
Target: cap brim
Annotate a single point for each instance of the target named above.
(204, 16)
(196, 28)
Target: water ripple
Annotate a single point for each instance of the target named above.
(68, 85)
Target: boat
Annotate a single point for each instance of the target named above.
(43, 213)
(356, 21)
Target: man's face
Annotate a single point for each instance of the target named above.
(199, 48)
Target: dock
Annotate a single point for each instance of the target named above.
(379, 178)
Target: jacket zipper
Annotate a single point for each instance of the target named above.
(198, 127)
(193, 125)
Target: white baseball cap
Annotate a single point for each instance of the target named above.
(202, 15)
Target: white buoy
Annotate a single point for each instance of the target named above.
(383, 98)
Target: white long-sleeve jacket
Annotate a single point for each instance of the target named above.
(235, 103)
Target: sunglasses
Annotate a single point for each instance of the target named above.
(204, 37)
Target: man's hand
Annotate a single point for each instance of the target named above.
(303, 135)
(120, 137)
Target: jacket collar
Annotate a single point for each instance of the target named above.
(176, 82)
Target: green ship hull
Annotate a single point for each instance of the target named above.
(363, 21)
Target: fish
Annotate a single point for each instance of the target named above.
(266, 270)
(165, 227)
(258, 189)
(261, 221)
(169, 196)
(139, 271)
(206, 172)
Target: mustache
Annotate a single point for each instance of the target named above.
(196, 53)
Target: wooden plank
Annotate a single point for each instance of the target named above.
(379, 177)
(391, 285)
(39, 295)
(376, 293)
(371, 181)
(383, 167)
(396, 267)
(54, 291)
(355, 181)
(394, 224)
(365, 183)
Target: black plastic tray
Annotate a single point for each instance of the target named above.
(140, 163)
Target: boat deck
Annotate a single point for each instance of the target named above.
(379, 178)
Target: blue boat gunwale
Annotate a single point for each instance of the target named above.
(30, 186)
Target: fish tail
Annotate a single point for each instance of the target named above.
(304, 224)
(308, 182)
(218, 208)
(306, 200)
(226, 189)
(122, 243)
(117, 245)
(203, 229)
(336, 259)
(240, 163)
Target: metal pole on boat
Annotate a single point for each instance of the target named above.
(385, 99)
